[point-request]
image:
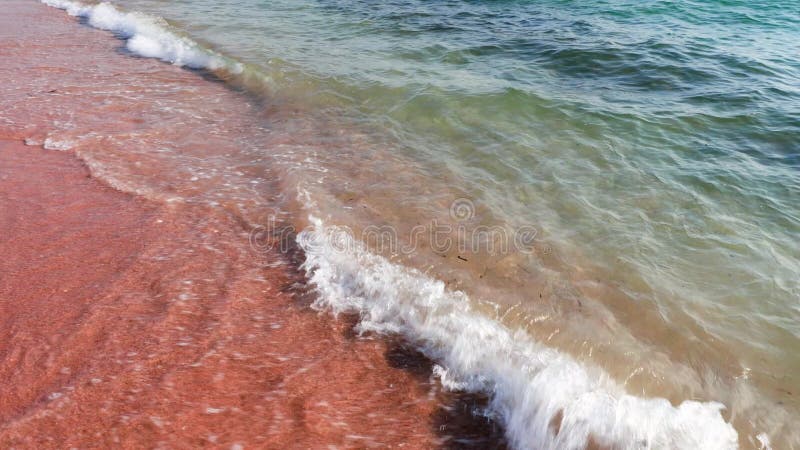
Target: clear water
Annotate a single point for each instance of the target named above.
(654, 145)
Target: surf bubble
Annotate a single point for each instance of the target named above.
(62, 145)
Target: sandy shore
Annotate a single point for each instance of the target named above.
(129, 322)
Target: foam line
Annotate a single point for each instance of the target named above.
(530, 385)
(148, 36)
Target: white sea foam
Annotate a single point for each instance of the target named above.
(530, 385)
(148, 36)
(57, 144)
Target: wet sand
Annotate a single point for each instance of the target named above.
(105, 342)
(130, 322)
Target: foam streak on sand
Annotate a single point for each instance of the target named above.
(545, 399)
(148, 36)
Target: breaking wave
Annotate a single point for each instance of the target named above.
(148, 36)
(543, 397)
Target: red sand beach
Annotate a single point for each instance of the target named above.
(126, 321)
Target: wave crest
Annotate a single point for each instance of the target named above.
(148, 36)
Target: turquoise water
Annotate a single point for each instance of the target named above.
(654, 145)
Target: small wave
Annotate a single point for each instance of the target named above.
(544, 398)
(148, 36)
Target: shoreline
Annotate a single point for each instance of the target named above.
(131, 322)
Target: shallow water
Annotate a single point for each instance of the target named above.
(651, 147)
